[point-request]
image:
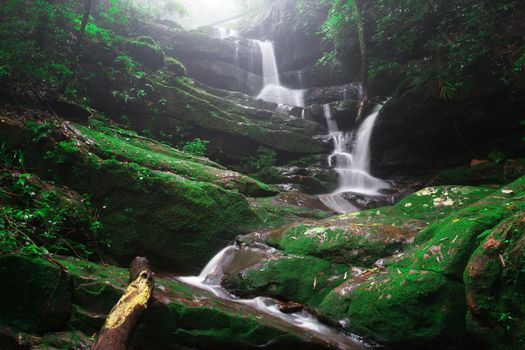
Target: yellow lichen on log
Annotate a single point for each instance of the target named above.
(138, 294)
(123, 318)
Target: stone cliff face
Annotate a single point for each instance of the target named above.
(418, 132)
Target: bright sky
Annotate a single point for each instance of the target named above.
(204, 12)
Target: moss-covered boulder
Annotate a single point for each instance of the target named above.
(494, 283)
(178, 317)
(146, 51)
(151, 199)
(419, 299)
(304, 279)
(364, 237)
(35, 294)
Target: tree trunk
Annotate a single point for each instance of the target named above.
(125, 315)
(83, 24)
(364, 58)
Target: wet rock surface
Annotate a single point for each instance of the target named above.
(416, 273)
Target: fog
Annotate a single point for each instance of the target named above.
(205, 12)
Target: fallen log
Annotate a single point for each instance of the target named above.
(125, 315)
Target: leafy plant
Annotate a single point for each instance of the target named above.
(35, 218)
(197, 147)
(260, 165)
(40, 130)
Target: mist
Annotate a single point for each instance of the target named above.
(206, 12)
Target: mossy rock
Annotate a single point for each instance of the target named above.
(35, 295)
(176, 326)
(175, 67)
(146, 51)
(495, 281)
(65, 340)
(486, 172)
(274, 212)
(419, 298)
(303, 279)
(177, 318)
(153, 200)
(364, 237)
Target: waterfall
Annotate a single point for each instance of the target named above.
(224, 33)
(233, 258)
(269, 63)
(272, 90)
(352, 164)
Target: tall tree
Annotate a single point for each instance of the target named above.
(343, 15)
(83, 24)
(359, 22)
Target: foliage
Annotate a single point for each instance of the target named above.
(35, 218)
(196, 147)
(444, 42)
(261, 165)
(40, 130)
(39, 38)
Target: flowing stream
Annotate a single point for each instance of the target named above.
(234, 258)
(351, 161)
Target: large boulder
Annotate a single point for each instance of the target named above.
(494, 281)
(419, 299)
(434, 134)
(364, 237)
(300, 278)
(152, 199)
(146, 51)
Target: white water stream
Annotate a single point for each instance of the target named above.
(272, 90)
(352, 163)
(234, 258)
(224, 33)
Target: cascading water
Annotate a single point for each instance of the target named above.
(352, 164)
(224, 33)
(234, 258)
(272, 90)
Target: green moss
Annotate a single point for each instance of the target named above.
(175, 67)
(419, 299)
(273, 213)
(126, 146)
(440, 201)
(494, 283)
(494, 172)
(303, 279)
(364, 237)
(402, 307)
(188, 327)
(35, 295)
